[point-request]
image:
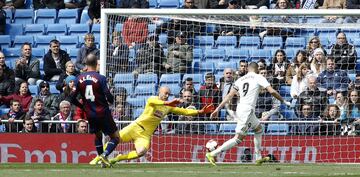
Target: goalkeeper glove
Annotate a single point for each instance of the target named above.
(207, 109)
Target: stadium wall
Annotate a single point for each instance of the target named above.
(71, 148)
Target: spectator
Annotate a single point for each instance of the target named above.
(123, 110)
(69, 85)
(226, 83)
(22, 95)
(318, 63)
(28, 124)
(2, 18)
(299, 82)
(190, 4)
(314, 43)
(333, 79)
(312, 96)
(278, 67)
(14, 4)
(307, 4)
(6, 84)
(306, 128)
(118, 55)
(188, 103)
(332, 113)
(27, 68)
(355, 84)
(135, 31)
(342, 102)
(228, 30)
(344, 53)
(15, 113)
(255, 4)
(180, 55)
(233, 4)
(50, 100)
(243, 65)
(262, 64)
(89, 48)
(75, 4)
(69, 70)
(188, 85)
(143, 4)
(94, 12)
(8, 73)
(38, 114)
(150, 57)
(54, 61)
(331, 4)
(267, 106)
(199, 4)
(82, 126)
(353, 109)
(49, 4)
(64, 115)
(293, 68)
(209, 93)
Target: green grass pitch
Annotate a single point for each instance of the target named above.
(178, 170)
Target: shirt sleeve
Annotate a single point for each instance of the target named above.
(262, 81)
(155, 101)
(183, 111)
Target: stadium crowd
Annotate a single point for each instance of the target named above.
(316, 78)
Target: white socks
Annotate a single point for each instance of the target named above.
(257, 145)
(226, 146)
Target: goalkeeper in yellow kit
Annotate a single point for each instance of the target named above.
(141, 130)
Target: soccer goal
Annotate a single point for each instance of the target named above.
(143, 49)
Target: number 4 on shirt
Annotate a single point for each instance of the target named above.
(89, 94)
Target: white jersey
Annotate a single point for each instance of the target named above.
(248, 88)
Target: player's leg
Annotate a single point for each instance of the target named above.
(142, 145)
(258, 132)
(109, 128)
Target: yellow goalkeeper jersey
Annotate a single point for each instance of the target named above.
(155, 111)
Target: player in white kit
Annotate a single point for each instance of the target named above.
(247, 87)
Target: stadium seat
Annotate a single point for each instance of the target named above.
(78, 29)
(119, 27)
(73, 53)
(151, 28)
(210, 28)
(5, 41)
(145, 90)
(220, 66)
(351, 34)
(4, 110)
(34, 29)
(136, 113)
(211, 129)
(164, 4)
(136, 102)
(12, 52)
(43, 41)
(249, 42)
(41, 65)
(68, 16)
(170, 78)
(20, 40)
(53, 89)
(227, 129)
(290, 53)
(28, 4)
(68, 42)
(147, 79)
(226, 41)
(56, 29)
(277, 129)
(222, 113)
(14, 30)
(205, 67)
(237, 54)
(38, 52)
(84, 17)
(9, 16)
(174, 89)
(152, 4)
(255, 55)
(34, 90)
(163, 40)
(288, 114)
(197, 54)
(204, 41)
(124, 78)
(313, 20)
(45, 16)
(216, 55)
(129, 88)
(197, 78)
(356, 43)
(272, 42)
(285, 91)
(295, 42)
(23, 16)
(95, 29)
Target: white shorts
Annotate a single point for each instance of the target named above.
(246, 119)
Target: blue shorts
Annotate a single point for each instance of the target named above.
(104, 123)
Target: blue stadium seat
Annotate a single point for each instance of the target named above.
(326, 31)
(356, 43)
(38, 52)
(210, 28)
(68, 16)
(285, 91)
(14, 30)
(249, 42)
(119, 27)
(45, 16)
(124, 78)
(288, 114)
(78, 29)
(73, 53)
(5, 41)
(214, 54)
(34, 29)
(351, 34)
(95, 29)
(205, 67)
(68, 42)
(197, 54)
(12, 52)
(151, 28)
(4, 110)
(53, 89)
(204, 41)
(197, 78)
(147, 79)
(255, 55)
(43, 41)
(174, 89)
(352, 76)
(145, 90)
(136, 102)
(24, 16)
(306, 32)
(226, 41)
(129, 88)
(9, 16)
(170, 78)
(227, 129)
(277, 129)
(84, 17)
(34, 90)
(20, 40)
(56, 29)
(152, 4)
(168, 4)
(295, 42)
(41, 65)
(28, 4)
(211, 129)
(272, 42)
(136, 113)
(222, 114)
(163, 40)
(220, 66)
(290, 53)
(237, 54)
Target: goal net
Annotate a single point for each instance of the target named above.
(309, 57)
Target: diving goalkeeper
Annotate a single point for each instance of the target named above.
(141, 130)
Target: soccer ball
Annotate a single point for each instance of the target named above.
(211, 145)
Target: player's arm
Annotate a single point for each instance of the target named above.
(108, 95)
(276, 94)
(227, 98)
(192, 112)
(73, 99)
